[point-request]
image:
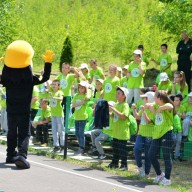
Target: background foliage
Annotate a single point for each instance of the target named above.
(107, 30)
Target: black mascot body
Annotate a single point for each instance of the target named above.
(18, 79)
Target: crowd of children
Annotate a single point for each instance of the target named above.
(164, 115)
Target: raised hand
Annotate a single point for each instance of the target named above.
(48, 56)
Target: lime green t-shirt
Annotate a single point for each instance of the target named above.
(96, 74)
(135, 79)
(35, 105)
(87, 76)
(177, 128)
(55, 104)
(124, 81)
(139, 103)
(98, 95)
(80, 111)
(163, 123)
(121, 129)
(109, 130)
(46, 114)
(184, 92)
(165, 85)
(66, 83)
(188, 109)
(146, 129)
(180, 109)
(145, 59)
(164, 60)
(109, 87)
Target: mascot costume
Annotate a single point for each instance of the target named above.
(18, 79)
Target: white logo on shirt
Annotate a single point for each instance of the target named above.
(53, 103)
(78, 101)
(158, 119)
(108, 87)
(63, 83)
(135, 72)
(163, 62)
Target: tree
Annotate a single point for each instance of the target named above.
(8, 24)
(67, 53)
(175, 16)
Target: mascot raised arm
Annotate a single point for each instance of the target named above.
(18, 79)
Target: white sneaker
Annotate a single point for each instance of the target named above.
(141, 171)
(159, 178)
(79, 152)
(165, 182)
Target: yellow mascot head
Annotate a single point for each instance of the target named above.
(19, 54)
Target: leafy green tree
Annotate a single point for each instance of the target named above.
(67, 53)
(174, 16)
(8, 24)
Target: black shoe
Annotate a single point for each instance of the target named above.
(56, 149)
(21, 162)
(11, 160)
(112, 166)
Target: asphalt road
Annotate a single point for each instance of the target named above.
(48, 175)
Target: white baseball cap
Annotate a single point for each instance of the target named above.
(149, 95)
(100, 80)
(163, 76)
(84, 84)
(84, 66)
(119, 69)
(125, 91)
(138, 52)
(126, 67)
(111, 103)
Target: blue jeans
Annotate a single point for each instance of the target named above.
(142, 142)
(166, 143)
(79, 132)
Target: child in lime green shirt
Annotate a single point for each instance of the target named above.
(4, 126)
(165, 83)
(120, 132)
(79, 101)
(165, 61)
(162, 136)
(136, 73)
(57, 116)
(180, 85)
(110, 84)
(144, 137)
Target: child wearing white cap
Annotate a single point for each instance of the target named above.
(165, 83)
(79, 102)
(120, 131)
(144, 137)
(124, 79)
(136, 74)
(85, 70)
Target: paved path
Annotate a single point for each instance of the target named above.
(48, 175)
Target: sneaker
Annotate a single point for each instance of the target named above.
(122, 168)
(159, 178)
(92, 150)
(102, 156)
(141, 171)
(5, 133)
(62, 149)
(165, 182)
(56, 149)
(44, 145)
(79, 152)
(112, 166)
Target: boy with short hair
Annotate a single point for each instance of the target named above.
(96, 72)
(42, 124)
(120, 132)
(164, 60)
